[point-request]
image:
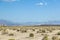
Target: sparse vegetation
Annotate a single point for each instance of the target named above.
(31, 32)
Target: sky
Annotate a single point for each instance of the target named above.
(30, 10)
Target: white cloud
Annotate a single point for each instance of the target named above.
(41, 4)
(9, 0)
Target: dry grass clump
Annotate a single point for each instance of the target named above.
(31, 35)
(11, 34)
(45, 37)
(4, 31)
(55, 38)
(11, 39)
(18, 30)
(38, 31)
(33, 29)
(43, 31)
(23, 31)
(48, 29)
(58, 33)
(14, 29)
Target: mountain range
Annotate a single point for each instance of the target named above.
(9, 23)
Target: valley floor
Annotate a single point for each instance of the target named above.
(38, 33)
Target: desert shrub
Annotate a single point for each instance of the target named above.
(4, 32)
(42, 34)
(58, 33)
(54, 38)
(23, 31)
(39, 31)
(50, 30)
(14, 29)
(18, 30)
(43, 31)
(33, 29)
(11, 34)
(45, 37)
(11, 39)
(31, 35)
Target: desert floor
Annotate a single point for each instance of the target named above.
(30, 33)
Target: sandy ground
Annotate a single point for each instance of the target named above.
(18, 35)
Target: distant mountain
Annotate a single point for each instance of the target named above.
(9, 23)
(52, 23)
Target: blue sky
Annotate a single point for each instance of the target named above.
(30, 10)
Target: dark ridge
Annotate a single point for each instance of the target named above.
(49, 25)
(44, 25)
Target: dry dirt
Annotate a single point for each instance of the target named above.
(24, 33)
